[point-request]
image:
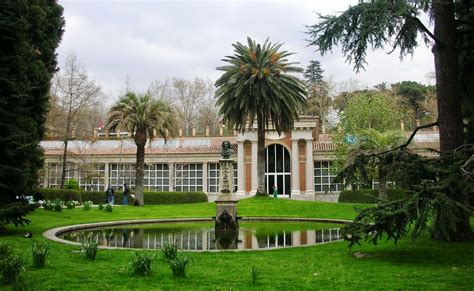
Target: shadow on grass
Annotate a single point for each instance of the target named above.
(426, 252)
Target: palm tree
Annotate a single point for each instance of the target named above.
(256, 85)
(371, 144)
(141, 116)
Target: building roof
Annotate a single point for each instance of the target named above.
(422, 140)
(196, 145)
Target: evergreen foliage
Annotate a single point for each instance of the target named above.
(314, 72)
(434, 203)
(318, 100)
(30, 32)
(413, 96)
(377, 23)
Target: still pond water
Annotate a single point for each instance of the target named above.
(201, 236)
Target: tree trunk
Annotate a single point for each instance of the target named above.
(140, 141)
(66, 141)
(447, 77)
(449, 97)
(260, 155)
(382, 183)
(63, 172)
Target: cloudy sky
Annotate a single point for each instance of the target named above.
(155, 40)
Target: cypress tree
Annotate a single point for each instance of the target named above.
(30, 31)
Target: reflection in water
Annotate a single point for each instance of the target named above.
(203, 238)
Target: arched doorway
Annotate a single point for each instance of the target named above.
(277, 169)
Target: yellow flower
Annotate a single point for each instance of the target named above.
(266, 72)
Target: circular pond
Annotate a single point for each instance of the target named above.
(199, 234)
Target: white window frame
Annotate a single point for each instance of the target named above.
(323, 178)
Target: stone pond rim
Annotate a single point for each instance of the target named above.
(52, 234)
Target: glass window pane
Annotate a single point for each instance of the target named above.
(271, 158)
(287, 160)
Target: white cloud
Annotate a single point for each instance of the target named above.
(155, 40)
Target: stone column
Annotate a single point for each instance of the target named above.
(46, 175)
(254, 167)
(106, 175)
(309, 167)
(240, 169)
(295, 168)
(204, 177)
(171, 176)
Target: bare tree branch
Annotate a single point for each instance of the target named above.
(407, 143)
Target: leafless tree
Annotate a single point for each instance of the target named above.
(192, 100)
(161, 90)
(189, 97)
(74, 93)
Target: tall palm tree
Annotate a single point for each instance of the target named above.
(370, 144)
(256, 84)
(141, 116)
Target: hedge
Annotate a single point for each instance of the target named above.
(62, 194)
(99, 197)
(154, 198)
(368, 195)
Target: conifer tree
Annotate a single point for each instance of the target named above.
(30, 31)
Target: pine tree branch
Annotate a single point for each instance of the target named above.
(407, 143)
(464, 171)
(463, 146)
(427, 31)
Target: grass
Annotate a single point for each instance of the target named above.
(420, 264)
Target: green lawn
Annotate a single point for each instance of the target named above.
(420, 264)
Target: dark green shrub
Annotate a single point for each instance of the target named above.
(70, 204)
(89, 249)
(88, 205)
(179, 266)
(156, 198)
(108, 208)
(57, 205)
(62, 194)
(141, 263)
(12, 266)
(368, 195)
(99, 197)
(101, 207)
(39, 251)
(72, 184)
(170, 251)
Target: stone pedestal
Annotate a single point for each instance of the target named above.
(226, 210)
(226, 213)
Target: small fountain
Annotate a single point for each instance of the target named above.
(226, 219)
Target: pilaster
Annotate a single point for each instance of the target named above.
(295, 169)
(309, 167)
